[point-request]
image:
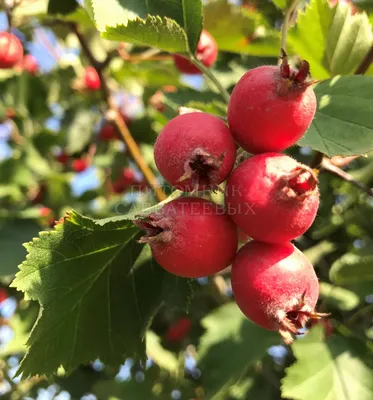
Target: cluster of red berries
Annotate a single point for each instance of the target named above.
(11, 55)
(270, 197)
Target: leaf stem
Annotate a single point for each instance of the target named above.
(289, 13)
(212, 78)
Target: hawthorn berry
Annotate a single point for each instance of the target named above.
(179, 330)
(79, 165)
(206, 52)
(30, 64)
(92, 79)
(272, 197)
(63, 158)
(271, 107)
(11, 50)
(275, 286)
(3, 295)
(190, 237)
(109, 132)
(126, 179)
(47, 216)
(195, 151)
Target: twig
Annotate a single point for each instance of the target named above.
(286, 23)
(8, 12)
(328, 166)
(120, 124)
(316, 159)
(212, 78)
(365, 63)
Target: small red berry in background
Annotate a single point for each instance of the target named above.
(195, 151)
(272, 197)
(347, 3)
(79, 165)
(126, 180)
(92, 79)
(3, 295)
(47, 216)
(109, 132)
(271, 107)
(179, 330)
(275, 286)
(206, 52)
(190, 237)
(11, 50)
(62, 158)
(30, 64)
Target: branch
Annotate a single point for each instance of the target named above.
(365, 63)
(8, 12)
(328, 166)
(130, 142)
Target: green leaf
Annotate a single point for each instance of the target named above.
(332, 370)
(91, 278)
(62, 7)
(163, 358)
(320, 250)
(352, 268)
(331, 39)
(280, 3)
(125, 24)
(338, 297)
(79, 133)
(343, 124)
(230, 344)
(239, 30)
(187, 13)
(13, 233)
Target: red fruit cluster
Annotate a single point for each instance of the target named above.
(206, 53)
(11, 50)
(270, 197)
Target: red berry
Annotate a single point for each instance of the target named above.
(45, 212)
(127, 179)
(79, 165)
(30, 64)
(190, 237)
(206, 52)
(109, 132)
(11, 50)
(62, 158)
(344, 3)
(179, 330)
(3, 295)
(195, 151)
(271, 107)
(272, 197)
(92, 79)
(275, 286)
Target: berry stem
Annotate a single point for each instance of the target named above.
(288, 17)
(224, 93)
